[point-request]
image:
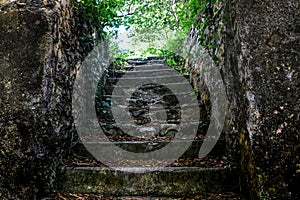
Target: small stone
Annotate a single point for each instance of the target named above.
(21, 4)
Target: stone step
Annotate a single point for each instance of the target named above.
(148, 58)
(107, 119)
(210, 196)
(164, 78)
(153, 108)
(140, 83)
(116, 97)
(190, 147)
(146, 118)
(146, 66)
(123, 114)
(145, 181)
(151, 130)
(148, 73)
(154, 123)
(153, 104)
(129, 89)
(137, 62)
(135, 110)
(135, 81)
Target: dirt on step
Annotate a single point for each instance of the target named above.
(207, 162)
(77, 196)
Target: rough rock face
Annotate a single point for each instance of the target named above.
(261, 72)
(200, 61)
(38, 58)
(260, 69)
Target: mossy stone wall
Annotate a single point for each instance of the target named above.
(40, 52)
(261, 71)
(259, 60)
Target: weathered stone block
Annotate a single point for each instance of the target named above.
(39, 53)
(22, 47)
(177, 181)
(261, 72)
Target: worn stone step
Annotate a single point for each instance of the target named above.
(108, 119)
(164, 78)
(146, 119)
(190, 147)
(210, 196)
(145, 62)
(153, 129)
(143, 181)
(162, 96)
(143, 80)
(140, 89)
(148, 58)
(155, 58)
(146, 66)
(140, 83)
(116, 97)
(154, 123)
(149, 103)
(132, 109)
(128, 113)
(128, 90)
(147, 73)
(139, 117)
(139, 61)
(153, 108)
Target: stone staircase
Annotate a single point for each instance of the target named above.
(143, 109)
